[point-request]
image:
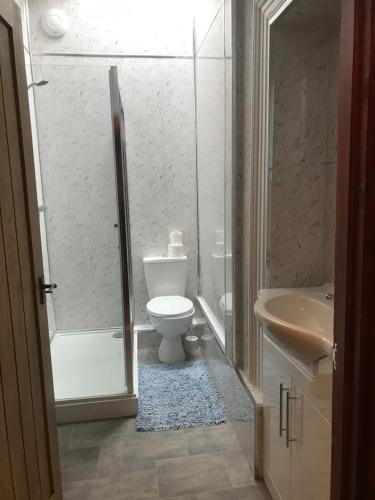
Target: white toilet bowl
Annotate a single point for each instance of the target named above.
(171, 316)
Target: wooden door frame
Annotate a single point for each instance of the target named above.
(353, 440)
(39, 349)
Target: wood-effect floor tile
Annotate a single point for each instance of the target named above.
(64, 433)
(79, 464)
(238, 468)
(191, 496)
(105, 433)
(220, 438)
(249, 492)
(154, 445)
(189, 475)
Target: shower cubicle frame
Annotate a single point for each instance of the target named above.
(226, 341)
(119, 153)
(126, 403)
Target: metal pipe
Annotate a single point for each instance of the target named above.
(41, 83)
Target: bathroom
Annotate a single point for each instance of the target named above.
(185, 161)
(136, 229)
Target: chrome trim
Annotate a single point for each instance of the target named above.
(119, 151)
(199, 289)
(112, 56)
(287, 435)
(289, 398)
(281, 394)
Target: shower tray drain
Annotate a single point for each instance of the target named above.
(118, 335)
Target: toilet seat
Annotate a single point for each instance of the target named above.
(170, 306)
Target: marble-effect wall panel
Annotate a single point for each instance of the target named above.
(241, 177)
(75, 142)
(117, 27)
(158, 100)
(304, 76)
(331, 155)
(204, 13)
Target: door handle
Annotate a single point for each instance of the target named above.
(282, 390)
(45, 288)
(289, 398)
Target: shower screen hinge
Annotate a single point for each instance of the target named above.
(334, 352)
(45, 288)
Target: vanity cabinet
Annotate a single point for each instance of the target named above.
(276, 456)
(296, 438)
(310, 450)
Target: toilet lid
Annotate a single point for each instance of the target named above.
(170, 305)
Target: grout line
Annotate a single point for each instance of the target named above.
(71, 436)
(157, 479)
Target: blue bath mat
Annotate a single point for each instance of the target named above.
(177, 396)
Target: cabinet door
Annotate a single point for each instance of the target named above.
(276, 455)
(310, 449)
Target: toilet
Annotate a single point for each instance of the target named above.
(171, 313)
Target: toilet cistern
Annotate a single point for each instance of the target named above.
(171, 313)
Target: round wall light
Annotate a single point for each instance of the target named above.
(55, 23)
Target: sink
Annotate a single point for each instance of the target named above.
(298, 319)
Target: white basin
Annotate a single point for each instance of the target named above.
(300, 319)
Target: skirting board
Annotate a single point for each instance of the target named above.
(274, 492)
(150, 328)
(71, 411)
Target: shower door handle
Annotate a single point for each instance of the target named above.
(45, 288)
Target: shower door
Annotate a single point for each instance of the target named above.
(119, 145)
(83, 212)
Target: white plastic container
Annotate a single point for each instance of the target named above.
(176, 250)
(190, 343)
(175, 237)
(176, 247)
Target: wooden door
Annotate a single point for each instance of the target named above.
(353, 417)
(29, 465)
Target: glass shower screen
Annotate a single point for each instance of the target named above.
(119, 145)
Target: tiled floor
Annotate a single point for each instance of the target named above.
(110, 460)
(227, 383)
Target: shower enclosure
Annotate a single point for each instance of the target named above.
(213, 68)
(176, 82)
(83, 203)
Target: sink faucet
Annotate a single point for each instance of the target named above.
(329, 296)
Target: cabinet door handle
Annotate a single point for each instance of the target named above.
(287, 435)
(289, 398)
(282, 390)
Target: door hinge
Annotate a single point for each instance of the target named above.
(334, 352)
